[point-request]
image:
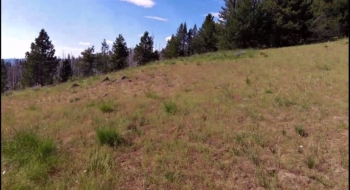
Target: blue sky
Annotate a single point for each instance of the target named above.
(74, 25)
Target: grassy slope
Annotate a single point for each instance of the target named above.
(231, 124)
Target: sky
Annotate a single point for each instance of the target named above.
(75, 25)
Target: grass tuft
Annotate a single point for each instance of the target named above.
(106, 107)
(310, 161)
(170, 107)
(110, 137)
(299, 130)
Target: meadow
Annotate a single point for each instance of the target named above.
(262, 119)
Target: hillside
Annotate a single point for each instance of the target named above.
(266, 119)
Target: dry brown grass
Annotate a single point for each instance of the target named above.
(234, 126)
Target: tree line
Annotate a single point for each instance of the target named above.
(241, 24)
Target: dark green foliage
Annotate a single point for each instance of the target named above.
(120, 54)
(206, 38)
(292, 19)
(243, 24)
(3, 76)
(172, 48)
(41, 64)
(331, 18)
(88, 61)
(181, 36)
(193, 42)
(66, 71)
(144, 50)
(109, 136)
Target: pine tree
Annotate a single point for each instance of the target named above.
(66, 71)
(172, 48)
(207, 35)
(181, 36)
(144, 50)
(331, 19)
(41, 64)
(120, 54)
(194, 43)
(88, 62)
(292, 20)
(102, 58)
(3, 76)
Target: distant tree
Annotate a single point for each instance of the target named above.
(194, 41)
(87, 63)
(172, 48)
(120, 53)
(3, 76)
(144, 50)
(181, 36)
(156, 55)
(207, 38)
(102, 59)
(66, 71)
(41, 64)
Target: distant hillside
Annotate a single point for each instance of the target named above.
(12, 60)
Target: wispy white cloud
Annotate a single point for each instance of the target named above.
(109, 42)
(84, 43)
(168, 38)
(140, 35)
(157, 18)
(141, 3)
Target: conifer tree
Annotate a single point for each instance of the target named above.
(88, 62)
(103, 59)
(41, 62)
(144, 50)
(66, 71)
(120, 53)
(207, 35)
(172, 48)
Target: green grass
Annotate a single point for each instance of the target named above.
(106, 107)
(210, 121)
(109, 137)
(30, 155)
(170, 107)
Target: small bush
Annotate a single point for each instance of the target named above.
(106, 107)
(170, 107)
(109, 136)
